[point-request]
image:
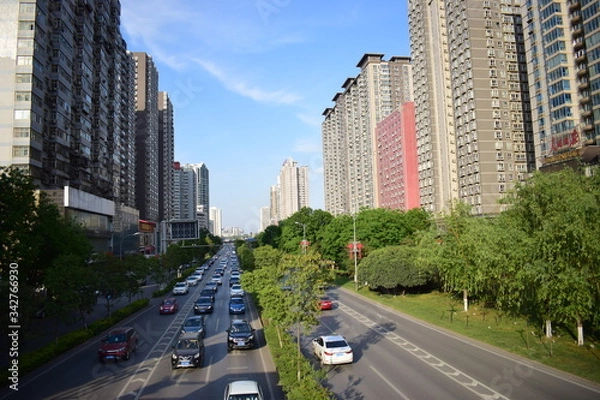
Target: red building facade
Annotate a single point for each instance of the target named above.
(397, 163)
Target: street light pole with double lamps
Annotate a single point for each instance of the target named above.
(121, 243)
(304, 244)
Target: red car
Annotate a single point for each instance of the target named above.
(118, 344)
(169, 305)
(325, 303)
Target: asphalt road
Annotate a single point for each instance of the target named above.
(397, 357)
(148, 374)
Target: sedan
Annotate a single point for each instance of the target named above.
(208, 293)
(332, 349)
(180, 288)
(169, 305)
(237, 305)
(194, 324)
(325, 303)
(217, 278)
(211, 286)
(203, 305)
(236, 290)
(192, 280)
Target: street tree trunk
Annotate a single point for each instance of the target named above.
(579, 332)
(548, 328)
(465, 300)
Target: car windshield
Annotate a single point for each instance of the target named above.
(336, 343)
(204, 300)
(237, 300)
(187, 344)
(180, 284)
(192, 322)
(250, 396)
(116, 338)
(167, 302)
(240, 328)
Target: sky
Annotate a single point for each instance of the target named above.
(250, 79)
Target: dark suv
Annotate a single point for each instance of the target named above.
(118, 344)
(188, 352)
(240, 335)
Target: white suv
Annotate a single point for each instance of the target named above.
(180, 288)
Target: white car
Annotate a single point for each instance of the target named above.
(180, 288)
(217, 278)
(249, 390)
(236, 290)
(192, 280)
(332, 349)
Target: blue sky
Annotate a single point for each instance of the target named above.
(250, 79)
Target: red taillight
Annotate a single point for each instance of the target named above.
(327, 353)
(349, 351)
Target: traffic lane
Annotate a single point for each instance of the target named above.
(506, 374)
(220, 366)
(380, 369)
(79, 374)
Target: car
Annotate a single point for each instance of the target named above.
(194, 324)
(236, 290)
(219, 271)
(118, 344)
(169, 305)
(217, 278)
(180, 288)
(203, 305)
(208, 293)
(246, 390)
(192, 280)
(325, 303)
(237, 305)
(240, 335)
(234, 281)
(212, 285)
(332, 349)
(188, 352)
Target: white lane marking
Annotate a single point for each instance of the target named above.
(451, 372)
(389, 383)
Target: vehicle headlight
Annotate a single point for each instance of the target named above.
(197, 355)
(174, 356)
(121, 348)
(251, 337)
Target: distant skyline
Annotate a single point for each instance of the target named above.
(249, 81)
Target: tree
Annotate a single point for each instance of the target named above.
(71, 286)
(558, 212)
(393, 267)
(270, 236)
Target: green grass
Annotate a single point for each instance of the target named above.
(514, 335)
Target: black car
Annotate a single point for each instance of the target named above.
(194, 324)
(204, 305)
(208, 293)
(240, 335)
(188, 352)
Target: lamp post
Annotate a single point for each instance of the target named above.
(121, 243)
(355, 250)
(303, 236)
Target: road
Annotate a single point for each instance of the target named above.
(148, 374)
(397, 357)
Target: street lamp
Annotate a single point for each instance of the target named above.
(121, 243)
(355, 250)
(303, 236)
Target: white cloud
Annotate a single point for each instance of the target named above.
(236, 85)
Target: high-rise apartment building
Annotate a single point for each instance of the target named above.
(265, 218)
(216, 221)
(473, 115)
(348, 130)
(293, 188)
(147, 137)
(397, 166)
(166, 156)
(274, 203)
(202, 182)
(184, 193)
(562, 41)
(66, 110)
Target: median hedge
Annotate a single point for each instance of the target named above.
(30, 361)
(286, 361)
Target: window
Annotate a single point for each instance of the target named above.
(22, 96)
(20, 151)
(23, 78)
(24, 60)
(22, 114)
